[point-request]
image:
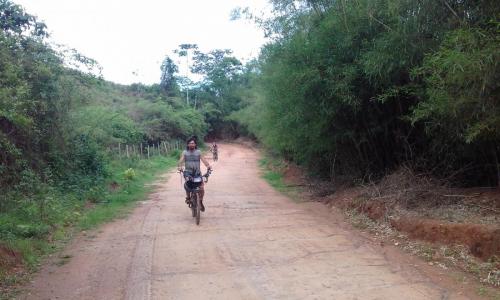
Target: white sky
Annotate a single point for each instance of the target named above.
(127, 36)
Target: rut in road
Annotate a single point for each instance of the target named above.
(252, 243)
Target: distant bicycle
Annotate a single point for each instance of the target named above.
(192, 186)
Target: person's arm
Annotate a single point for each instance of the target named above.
(181, 160)
(205, 162)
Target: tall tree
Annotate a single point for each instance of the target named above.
(168, 76)
(183, 51)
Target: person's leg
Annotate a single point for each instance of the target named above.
(202, 193)
(188, 196)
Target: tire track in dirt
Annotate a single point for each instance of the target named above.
(252, 243)
(139, 271)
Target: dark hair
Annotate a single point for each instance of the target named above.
(192, 139)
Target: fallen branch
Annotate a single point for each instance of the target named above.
(462, 196)
(383, 197)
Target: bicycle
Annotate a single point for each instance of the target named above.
(192, 185)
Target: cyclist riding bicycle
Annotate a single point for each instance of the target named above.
(214, 151)
(191, 158)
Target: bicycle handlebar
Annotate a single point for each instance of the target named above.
(209, 171)
(205, 176)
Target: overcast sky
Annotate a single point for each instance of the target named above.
(131, 36)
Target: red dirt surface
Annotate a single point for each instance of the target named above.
(9, 259)
(483, 241)
(293, 175)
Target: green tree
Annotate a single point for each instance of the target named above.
(15, 21)
(219, 92)
(168, 79)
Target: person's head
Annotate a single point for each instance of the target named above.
(191, 143)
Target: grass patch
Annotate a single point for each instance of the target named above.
(272, 172)
(131, 188)
(30, 233)
(275, 179)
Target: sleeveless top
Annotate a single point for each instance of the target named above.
(192, 161)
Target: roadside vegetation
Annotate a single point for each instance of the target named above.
(354, 89)
(273, 169)
(27, 237)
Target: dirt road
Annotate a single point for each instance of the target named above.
(253, 243)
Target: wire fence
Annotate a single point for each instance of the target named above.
(144, 150)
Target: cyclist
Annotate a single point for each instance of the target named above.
(191, 158)
(214, 151)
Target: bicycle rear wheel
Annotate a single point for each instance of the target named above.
(198, 209)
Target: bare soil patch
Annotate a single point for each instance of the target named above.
(483, 241)
(11, 266)
(9, 259)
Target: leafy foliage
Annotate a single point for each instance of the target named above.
(462, 86)
(356, 88)
(15, 21)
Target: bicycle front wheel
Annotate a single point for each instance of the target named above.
(198, 210)
(193, 203)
